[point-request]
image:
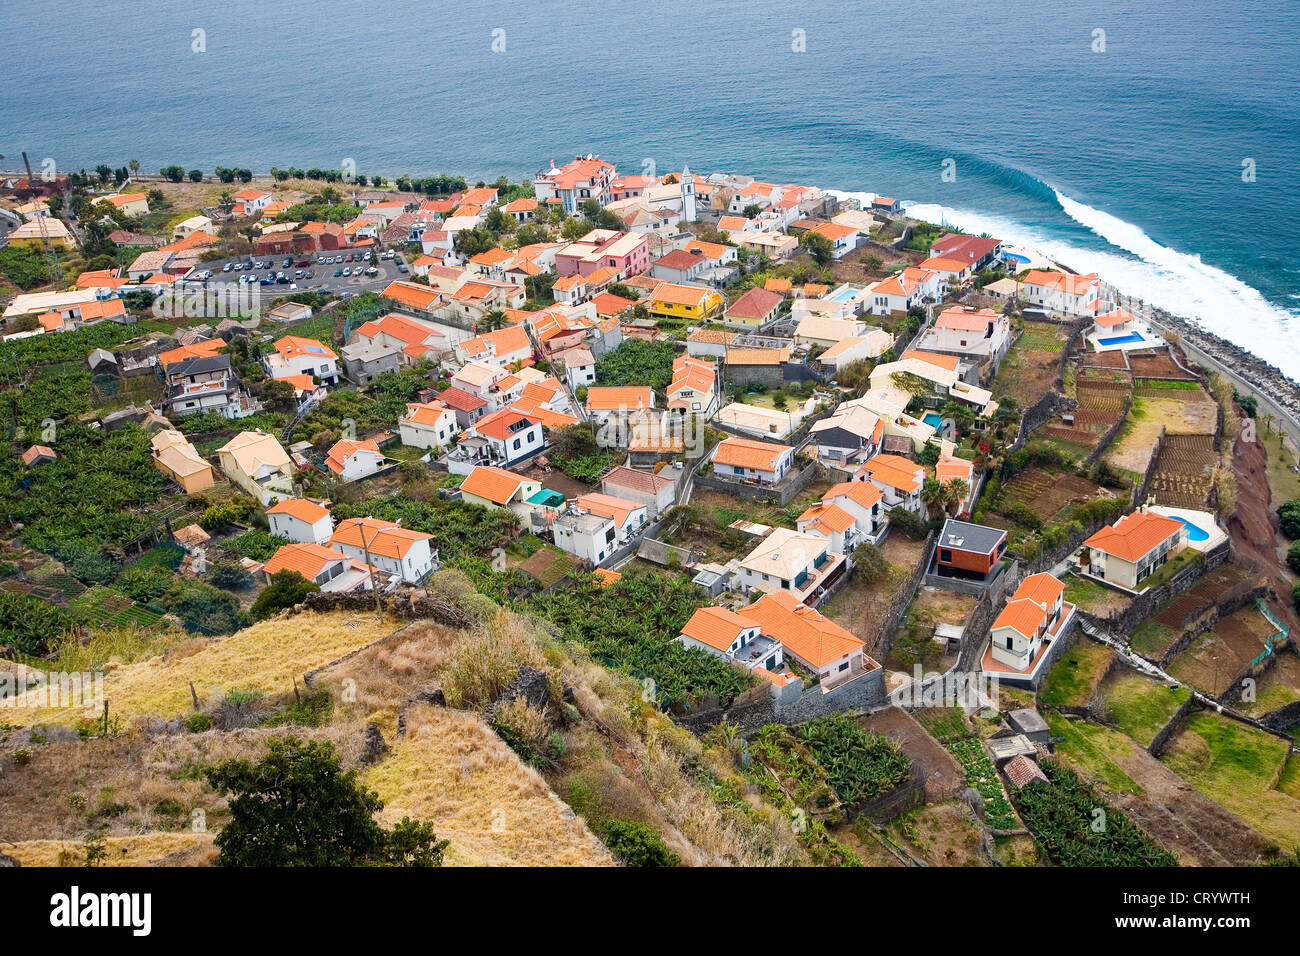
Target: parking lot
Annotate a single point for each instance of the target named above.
(315, 276)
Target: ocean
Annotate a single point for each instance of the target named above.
(1159, 146)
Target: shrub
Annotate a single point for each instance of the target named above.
(286, 589)
(1293, 556)
(298, 807)
(229, 575)
(1288, 514)
(638, 844)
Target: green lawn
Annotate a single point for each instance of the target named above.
(1076, 675)
(1096, 748)
(1093, 597)
(1141, 707)
(1238, 767)
(1152, 639)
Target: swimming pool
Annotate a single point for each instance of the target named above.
(1122, 339)
(843, 294)
(932, 419)
(1016, 257)
(1194, 532)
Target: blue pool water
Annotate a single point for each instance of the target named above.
(1194, 532)
(932, 419)
(1023, 260)
(840, 295)
(1122, 339)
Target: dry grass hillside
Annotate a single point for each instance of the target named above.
(535, 781)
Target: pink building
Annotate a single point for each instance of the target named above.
(626, 252)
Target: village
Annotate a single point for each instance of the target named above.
(780, 456)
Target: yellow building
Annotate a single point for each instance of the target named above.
(176, 458)
(52, 229)
(694, 303)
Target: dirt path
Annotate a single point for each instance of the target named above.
(1253, 526)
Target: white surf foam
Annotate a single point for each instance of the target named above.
(1175, 281)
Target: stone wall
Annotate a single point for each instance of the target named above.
(1144, 605)
(883, 639)
(865, 693)
(1169, 730)
(782, 494)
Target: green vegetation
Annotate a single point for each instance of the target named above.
(983, 776)
(30, 626)
(638, 844)
(637, 362)
(83, 507)
(1065, 820)
(375, 411)
(459, 529)
(256, 544)
(1075, 676)
(632, 625)
(1140, 707)
(298, 807)
(858, 764)
(286, 589)
(1095, 747)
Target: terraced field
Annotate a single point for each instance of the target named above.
(1216, 657)
(1101, 394)
(1156, 635)
(1184, 471)
(1048, 493)
(107, 608)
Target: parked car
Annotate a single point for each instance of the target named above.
(401, 267)
(338, 272)
(372, 271)
(288, 261)
(347, 271)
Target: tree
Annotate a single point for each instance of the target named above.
(1293, 556)
(1288, 514)
(933, 496)
(955, 492)
(134, 166)
(196, 175)
(286, 589)
(229, 575)
(298, 807)
(751, 211)
(531, 233)
(638, 844)
(493, 320)
(819, 247)
(470, 242)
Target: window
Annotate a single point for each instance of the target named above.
(1008, 642)
(516, 445)
(945, 554)
(844, 666)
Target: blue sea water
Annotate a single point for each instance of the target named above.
(1127, 160)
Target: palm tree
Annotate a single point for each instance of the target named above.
(934, 496)
(956, 491)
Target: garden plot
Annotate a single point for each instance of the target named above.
(1156, 365)
(1139, 706)
(1154, 636)
(104, 607)
(1239, 767)
(1029, 368)
(1218, 656)
(1132, 449)
(1101, 394)
(1279, 687)
(914, 639)
(860, 606)
(1073, 679)
(1049, 493)
(1185, 471)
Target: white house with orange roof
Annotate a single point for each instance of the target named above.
(1064, 291)
(579, 366)
(865, 502)
(327, 567)
(629, 517)
(694, 386)
(428, 425)
(502, 347)
(951, 270)
(1035, 615)
(978, 334)
(907, 288)
(352, 460)
(1133, 548)
(899, 479)
(745, 459)
(521, 209)
(250, 202)
(833, 655)
(570, 185)
(844, 239)
(506, 436)
(606, 402)
(304, 520)
(494, 487)
(415, 339)
(295, 355)
(387, 546)
(726, 634)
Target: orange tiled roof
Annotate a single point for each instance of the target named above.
(808, 635)
(384, 538)
(304, 509)
(717, 627)
(1135, 535)
(748, 453)
(495, 484)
